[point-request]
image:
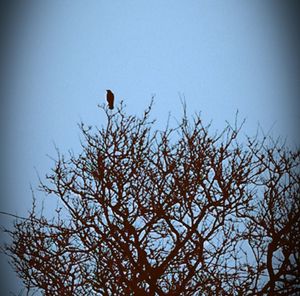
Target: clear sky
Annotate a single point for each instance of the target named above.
(59, 57)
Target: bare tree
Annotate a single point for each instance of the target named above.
(175, 212)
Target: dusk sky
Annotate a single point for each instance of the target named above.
(59, 57)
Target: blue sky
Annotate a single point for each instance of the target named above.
(61, 56)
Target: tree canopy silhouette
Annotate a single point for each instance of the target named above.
(181, 211)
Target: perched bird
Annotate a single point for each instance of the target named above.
(110, 99)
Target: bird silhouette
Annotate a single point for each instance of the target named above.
(110, 99)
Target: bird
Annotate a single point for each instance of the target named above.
(110, 99)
